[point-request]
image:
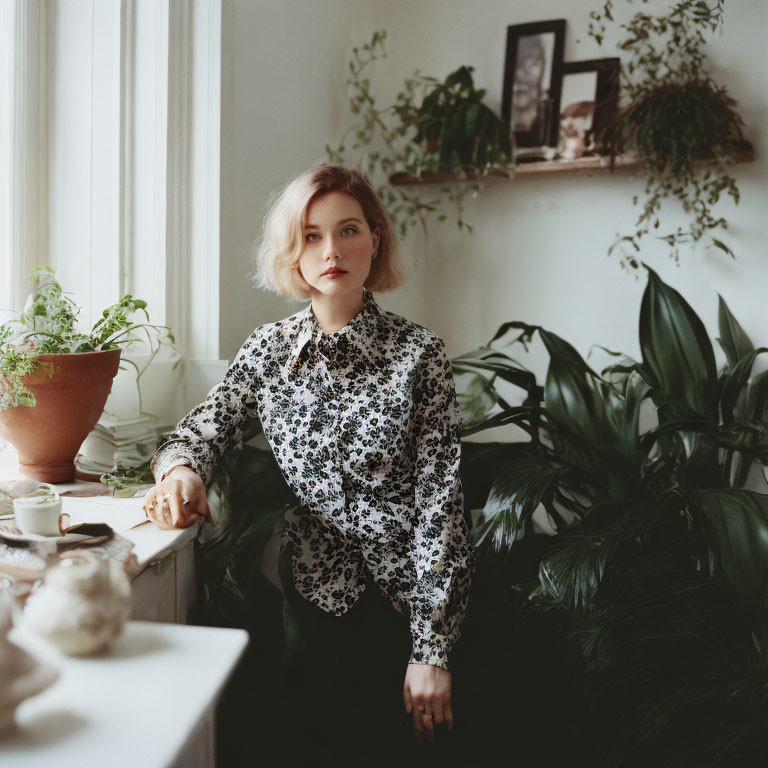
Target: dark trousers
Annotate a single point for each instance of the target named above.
(515, 692)
(342, 693)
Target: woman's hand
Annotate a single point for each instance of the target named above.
(178, 500)
(427, 694)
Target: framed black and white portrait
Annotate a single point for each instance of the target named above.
(532, 77)
(589, 102)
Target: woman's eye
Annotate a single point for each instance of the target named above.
(349, 229)
(311, 236)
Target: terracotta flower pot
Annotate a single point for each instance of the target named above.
(48, 436)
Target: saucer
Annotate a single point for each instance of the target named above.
(10, 531)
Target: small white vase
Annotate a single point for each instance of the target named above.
(83, 606)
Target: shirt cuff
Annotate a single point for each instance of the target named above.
(430, 649)
(169, 458)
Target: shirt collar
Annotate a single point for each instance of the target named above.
(361, 332)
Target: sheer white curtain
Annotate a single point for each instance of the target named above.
(110, 157)
(6, 89)
(22, 146)
(109, 144)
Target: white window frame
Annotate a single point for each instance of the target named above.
(154, 196)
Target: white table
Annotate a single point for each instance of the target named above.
(149, 702)
(164, 587)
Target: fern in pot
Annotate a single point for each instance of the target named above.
(55, 379)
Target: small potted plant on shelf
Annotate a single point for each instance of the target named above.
(54, 379)
(434, 132)
(456, 132)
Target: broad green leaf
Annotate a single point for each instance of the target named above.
(488, 359)
(757, 399)
(573, 569)
(734, 341)
(429, 103)
(521, 416)
(573, 399)
(471, 118)
(635, 392)
(475, 399)
(741, 463)
(736, 524)
(676, 349)
(519, 488)
(461, 77)
(735, 384)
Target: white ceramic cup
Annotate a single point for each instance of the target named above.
(38, 513)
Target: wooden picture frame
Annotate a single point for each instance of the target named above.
(530, 102)
(588, 105)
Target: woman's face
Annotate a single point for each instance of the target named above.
(336, 234)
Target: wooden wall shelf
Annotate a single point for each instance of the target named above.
(582, 166)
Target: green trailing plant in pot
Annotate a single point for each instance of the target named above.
(660, 568)
(456, 132)
(674, 115)
(55, 379)
(435, 129)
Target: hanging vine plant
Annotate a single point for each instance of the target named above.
(674, 116)
(433, 127)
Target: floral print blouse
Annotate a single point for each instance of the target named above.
(364, 424)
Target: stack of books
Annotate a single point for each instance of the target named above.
(118, 441)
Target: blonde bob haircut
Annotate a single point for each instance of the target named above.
(278, 250)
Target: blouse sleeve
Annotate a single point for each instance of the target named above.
(220, 423)
(444, 555)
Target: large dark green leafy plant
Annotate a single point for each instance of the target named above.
(660, 569)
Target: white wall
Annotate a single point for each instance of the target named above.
(539, 248)
(283, 74)
(538, 252)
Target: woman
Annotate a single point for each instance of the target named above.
(360, 409)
